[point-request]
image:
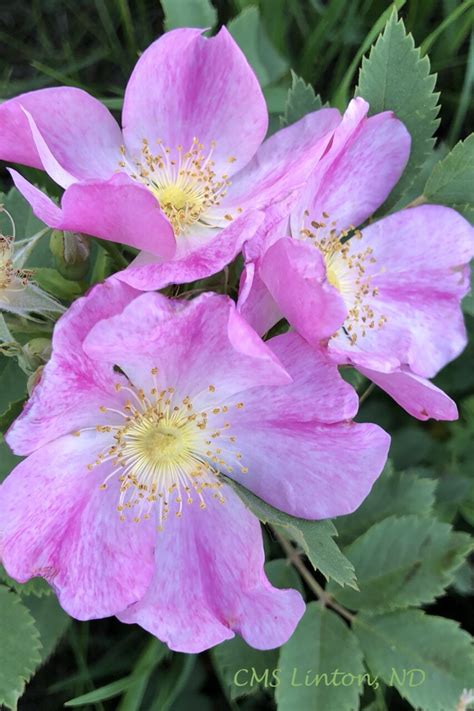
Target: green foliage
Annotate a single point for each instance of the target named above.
(403, 561)
(36, 586)
(50, 620)
(452, 179)
(51, 280)
(250, 35)
(394, 493)
(413, 100)
(301, 100)
(8, 460)
(397, 643)
(12, 391)
(315, 537)
(235, 654)
(321, 645)
(19, 650)
(188, 13)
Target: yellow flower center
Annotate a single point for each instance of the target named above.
(346, 271)
(166, 451)
(184, 183)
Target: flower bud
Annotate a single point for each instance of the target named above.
(36, 353)
(71, 253)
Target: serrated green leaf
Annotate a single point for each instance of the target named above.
(50, 619)
(35, 586)
(437, 652)
(463, 581)
(314, 661)
(452, 180)
(241, 668)
(188, 13)
(301, 100)
(401, 562)
(393, 494)
(315, 537)
(396, 78)
(249, 33)
(19, 649)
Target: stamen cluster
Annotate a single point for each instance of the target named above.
(184, 182)
(167, 451)
(346, 271)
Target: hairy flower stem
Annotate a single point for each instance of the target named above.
(295, 559)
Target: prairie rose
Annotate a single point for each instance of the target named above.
(385, 299)
(187, 178)
(145, 404)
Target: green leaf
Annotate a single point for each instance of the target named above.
(241, 668)
(452, 179)
(320, 665)
(249, 33)
(188, 13)
(394, 493)
(341, 96)
(315, 537)
(8, 460)
(403, 561)
(301, 100)
(282, 575)
(428, 659)
(19, 650)
(12, 390)
(52, 281)
(396, 78)
(10, 414)
(35, 586)
(50, 620)
(464, 579)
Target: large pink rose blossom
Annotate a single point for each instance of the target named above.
(385, 299)
(121, 504)
(187, 178)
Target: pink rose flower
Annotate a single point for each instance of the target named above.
(186, 180)
(121, 503)
(385, 299)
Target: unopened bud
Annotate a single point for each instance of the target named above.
(36, 352)
(71, 253)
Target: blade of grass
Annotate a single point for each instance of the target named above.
(452, 17)
(465, 98)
